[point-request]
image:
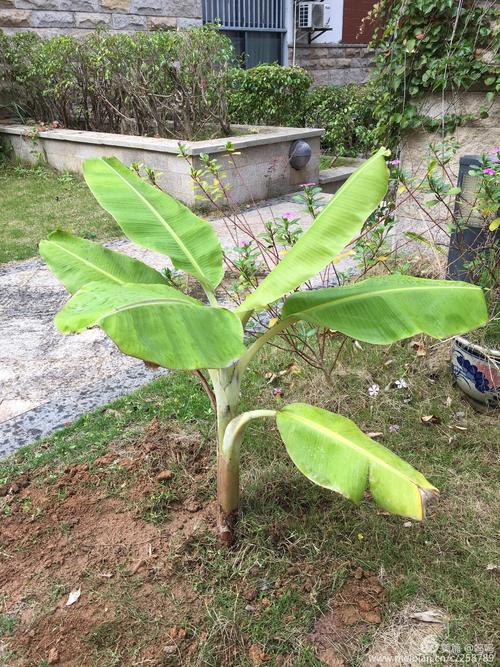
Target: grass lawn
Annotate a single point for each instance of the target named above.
(89, 512)
(35, 201)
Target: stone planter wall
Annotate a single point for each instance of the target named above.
(475, 138)
(262, 168)
(50, 17)
(335, 64)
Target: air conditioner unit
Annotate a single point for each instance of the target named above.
(311, 16)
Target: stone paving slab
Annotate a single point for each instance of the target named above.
(47, 380)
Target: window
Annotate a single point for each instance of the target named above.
(256, 27)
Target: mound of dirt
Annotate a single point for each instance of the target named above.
(85, 530)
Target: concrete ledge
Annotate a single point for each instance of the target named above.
(331, 179)
(261, 170)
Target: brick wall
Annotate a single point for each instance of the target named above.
(336, 64)
(354, 13)
(49, 17)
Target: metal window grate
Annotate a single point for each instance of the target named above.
(245, 14)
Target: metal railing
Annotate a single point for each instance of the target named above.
(246, 14)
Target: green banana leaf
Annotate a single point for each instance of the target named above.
(386, 309)
(332, 230)
(156, 323)
(333, 452)
(76, 262)
(155, 220)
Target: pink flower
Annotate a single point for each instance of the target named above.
(289, 215)
(307, 185)
(394, 163)
(488, 170)
(277, 392)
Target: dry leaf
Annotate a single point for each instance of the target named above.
(430, 419)
(73, 597)
(256, 654)
(429, 616)
(419, 348)
(449, 401)
(374, 434)
(491, 567)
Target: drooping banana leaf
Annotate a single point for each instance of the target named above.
(332, 230)
(156, 323)
(156, 220)
(386, 309)
(333, 452)
(76, 262)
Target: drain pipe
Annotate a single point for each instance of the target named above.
(294, 27)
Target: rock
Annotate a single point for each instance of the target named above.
(164, 475)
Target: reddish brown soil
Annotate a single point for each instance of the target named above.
(85, 530)
(354, 611)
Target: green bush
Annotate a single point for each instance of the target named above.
(156, 83)
(268, 95)
(345, 113)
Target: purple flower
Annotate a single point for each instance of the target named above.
(289, 215)
(373, 390)
(394, 163)
(488, 170)
(494, 158)
(277, 391)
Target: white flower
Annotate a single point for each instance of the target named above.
(393, 428)
(373, 390)
(401, 384)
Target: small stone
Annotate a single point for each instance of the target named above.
(250, 609)
(53, 656)
(164, 475)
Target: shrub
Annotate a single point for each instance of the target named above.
(345, 113)
(268, 95)
(157, 83)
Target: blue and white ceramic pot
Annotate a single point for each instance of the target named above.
(477, 371)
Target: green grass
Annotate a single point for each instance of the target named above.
(287, 522)
(37, 200)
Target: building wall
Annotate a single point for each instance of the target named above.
(48, 17)
(353, 30)
(334, 64)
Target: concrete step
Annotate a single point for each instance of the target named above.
(331, 179)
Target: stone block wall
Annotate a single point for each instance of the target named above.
(335, 64)
(50, 17)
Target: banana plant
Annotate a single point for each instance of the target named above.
(150, 319)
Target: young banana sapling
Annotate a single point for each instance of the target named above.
(148, 318)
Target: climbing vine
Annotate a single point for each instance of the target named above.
(429, 46)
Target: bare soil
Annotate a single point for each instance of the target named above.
(86, 530)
